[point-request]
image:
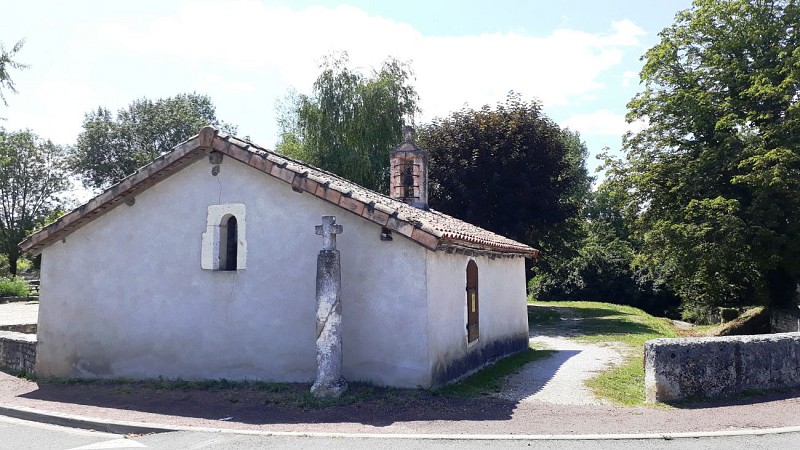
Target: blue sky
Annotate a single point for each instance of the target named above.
(579, 58)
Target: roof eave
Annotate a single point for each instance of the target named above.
(144, 178)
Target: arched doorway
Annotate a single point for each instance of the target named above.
(473, 306)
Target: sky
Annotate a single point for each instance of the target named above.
(580, 59)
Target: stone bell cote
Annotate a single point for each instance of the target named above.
(409, 172)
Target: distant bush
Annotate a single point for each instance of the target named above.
(13, 287)
(3, 265)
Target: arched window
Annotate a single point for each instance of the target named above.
(229, 245)
(473, 306)
(224, 243)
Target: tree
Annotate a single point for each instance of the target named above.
(7, 62)
(602, 269)
(110, 148)
(32, 173)
(716, 172)
(350, 122)
(511, 170)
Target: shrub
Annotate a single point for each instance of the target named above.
(13, 287)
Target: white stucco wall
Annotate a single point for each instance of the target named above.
(503, 318)
(125, 296)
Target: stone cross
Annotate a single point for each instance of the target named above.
(329, 382)
(329, 229)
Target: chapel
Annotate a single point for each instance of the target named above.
(201, 265)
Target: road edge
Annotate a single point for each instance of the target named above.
(124, 427)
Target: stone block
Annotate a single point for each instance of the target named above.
(678, 369)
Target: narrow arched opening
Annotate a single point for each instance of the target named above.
(473, 306)
(229, 243)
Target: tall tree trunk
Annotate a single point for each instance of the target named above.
(12, 263)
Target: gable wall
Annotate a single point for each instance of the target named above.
(503, 318)
(125, 295)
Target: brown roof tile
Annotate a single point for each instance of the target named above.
(429, 228)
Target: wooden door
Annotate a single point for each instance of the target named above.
(473, 306)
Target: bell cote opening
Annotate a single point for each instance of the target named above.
(409, 172)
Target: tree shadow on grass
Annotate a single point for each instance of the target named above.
(594, 327)
(583, 322)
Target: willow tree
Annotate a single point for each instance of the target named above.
(716, 172)
(350, 121)
(7, 62)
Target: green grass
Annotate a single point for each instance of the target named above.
(490, 379)
(623, 385)
(604, 322)
(625, 325)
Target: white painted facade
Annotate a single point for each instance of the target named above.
(127, 295)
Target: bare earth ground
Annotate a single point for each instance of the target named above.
(546, 397)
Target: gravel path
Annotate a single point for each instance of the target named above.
(19, 313)
(560, 379)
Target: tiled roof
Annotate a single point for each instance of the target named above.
(431, 229)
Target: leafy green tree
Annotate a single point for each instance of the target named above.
(511, 170)
(603, 269)
(351, 121)
(716, 172)
(112, 147)
(7, 62)
(32, 173)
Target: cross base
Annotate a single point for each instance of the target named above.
(329, 389)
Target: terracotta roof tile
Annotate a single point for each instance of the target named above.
(432, 229)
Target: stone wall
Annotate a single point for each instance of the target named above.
(781, 321)
(17, 351)
(677, 369)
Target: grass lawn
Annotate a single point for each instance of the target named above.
(606, 323)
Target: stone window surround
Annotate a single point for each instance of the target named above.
(217, 218)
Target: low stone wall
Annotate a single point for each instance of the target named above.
(17, 351)
(677, 369)
(28, 328)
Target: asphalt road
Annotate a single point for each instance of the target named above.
(20, 435)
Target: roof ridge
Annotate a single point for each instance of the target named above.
(430, 228)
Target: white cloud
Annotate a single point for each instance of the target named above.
(54, 108)
(246, 35)
(245, 55)
(214, 82)
(628, 76)
(603, 123)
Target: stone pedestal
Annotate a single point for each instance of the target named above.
(329, 382)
